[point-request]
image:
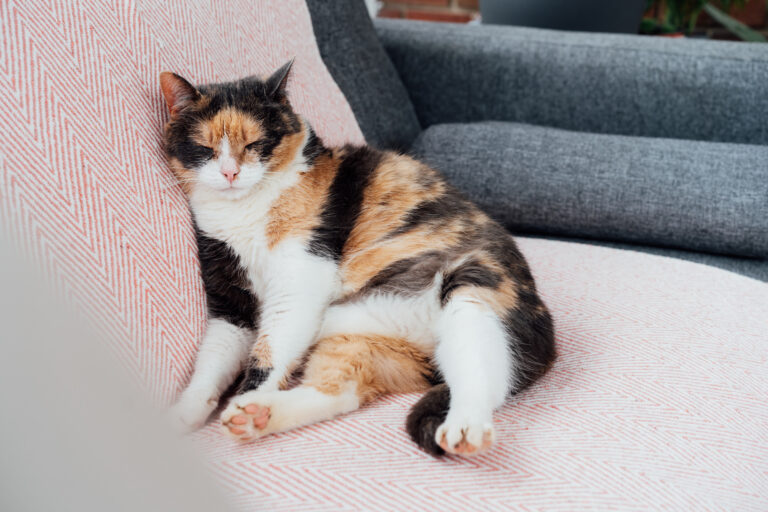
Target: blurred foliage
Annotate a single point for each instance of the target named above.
(681, 16)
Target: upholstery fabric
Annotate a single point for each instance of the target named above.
(656, 402)
(357, 61)
(602, 83)
(657, 399)
(749, 267)
(691, 195)
(83, 182)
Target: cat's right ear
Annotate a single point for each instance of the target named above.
(179, 94)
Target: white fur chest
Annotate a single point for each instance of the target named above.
(242, 223)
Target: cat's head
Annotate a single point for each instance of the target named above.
(229, 137)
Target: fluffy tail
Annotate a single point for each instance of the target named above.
(426, 416)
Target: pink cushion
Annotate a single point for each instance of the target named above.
(656, 402)
(84, 184)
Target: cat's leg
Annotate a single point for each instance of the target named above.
(258, 413)
(220, 358)
(293, 303)
(474, 357)
(342, 373)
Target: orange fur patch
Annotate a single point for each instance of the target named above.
(287, 151)
(394, 189)
(500, 300)
(240, 128)
(262, 352)
(376, 364)
(359, 268)
(183, 175)
(297, 211)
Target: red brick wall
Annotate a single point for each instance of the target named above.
(753, 14)
(461, 11)
(457, 11)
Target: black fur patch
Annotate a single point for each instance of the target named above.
(530, 327)
(532, 335)
(470, 273)
(441, 209)
(313, 147)
(226, 283)
(253, 376)
(344, 202)
(407, 276)
(426, 416)
(499, 243)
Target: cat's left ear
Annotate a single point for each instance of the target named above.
(279, 79)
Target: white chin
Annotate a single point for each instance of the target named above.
(233, 192)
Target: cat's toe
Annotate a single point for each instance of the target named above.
(464, 437)
(259, 415)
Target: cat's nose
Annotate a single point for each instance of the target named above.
(230, 170)
(230, 174)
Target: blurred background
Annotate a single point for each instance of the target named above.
(727, 19)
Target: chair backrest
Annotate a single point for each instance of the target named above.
(83, 181)
(357, 61)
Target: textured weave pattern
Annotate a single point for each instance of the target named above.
(601, 83)
(656, 402)
(83, 182)
(696, 195)
(357, 61)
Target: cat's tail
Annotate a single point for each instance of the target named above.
(426, 416)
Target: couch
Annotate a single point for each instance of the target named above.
(573, 141)
(639, 143)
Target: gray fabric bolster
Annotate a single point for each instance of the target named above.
(600, 83)
(704, 196)
(361, 68)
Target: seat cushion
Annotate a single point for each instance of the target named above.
(357, 61)
(750, 267)
(84, 186)
(656, 402)
(700, 196)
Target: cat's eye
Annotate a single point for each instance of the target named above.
(254, 146)
(204, 151)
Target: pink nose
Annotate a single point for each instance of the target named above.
(230, 174)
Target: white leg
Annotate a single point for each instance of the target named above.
(258, 413)
(292, 308)
(220, 357)
(474, 357)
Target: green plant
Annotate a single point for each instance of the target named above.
(682, 15)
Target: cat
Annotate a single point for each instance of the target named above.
(364, 268)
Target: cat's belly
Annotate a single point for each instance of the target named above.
(411, 318)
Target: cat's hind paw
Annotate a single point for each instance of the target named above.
(464, 437)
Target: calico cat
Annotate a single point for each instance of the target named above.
(363, 267)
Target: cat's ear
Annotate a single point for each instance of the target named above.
(179, 94)
(279, 79)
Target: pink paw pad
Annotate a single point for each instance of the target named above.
(259, 415)
(464, 447)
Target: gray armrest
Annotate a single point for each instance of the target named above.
(601, 83)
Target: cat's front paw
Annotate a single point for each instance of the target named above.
(247, 416)
(192, 410)
(463, 437)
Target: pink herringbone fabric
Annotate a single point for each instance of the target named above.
(657, 402)
(83, 182)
